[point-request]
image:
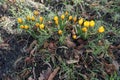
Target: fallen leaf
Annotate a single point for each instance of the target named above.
(25, 74)
(109, 68)
(45, 44)
(115, 63)
(4, 45)
(53, 74)
(69, 43)
(31, 46)
(12, 1)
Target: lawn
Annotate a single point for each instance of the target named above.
(59, 39)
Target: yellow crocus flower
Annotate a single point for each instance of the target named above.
(19, 20)
(41, 19)
(41, 26)
(86, 24)
(74, 36)
(70, 17)
(26, 27)
(60, 32)
(101, 29)
(62, 16)
(81, 21)
(84, 29)
(56, 18)
(92, 23)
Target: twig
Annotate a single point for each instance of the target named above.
(34, 75)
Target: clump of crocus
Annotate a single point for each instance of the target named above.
(101, 29)
(20, 20)
(24, 26)
(21, 26)
(41, 26)
(70, 18)
(60, 32)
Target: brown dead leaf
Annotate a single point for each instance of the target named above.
(45, 74)
(12, 1)
(53, 74)
(4, 45)
(52, 45)
(69, 43)
(115, 63)
(109, 68)
(45, 44)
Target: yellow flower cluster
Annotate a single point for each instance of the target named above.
(28, 18)
(24, 26)
(86, 23)
(41, 26)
